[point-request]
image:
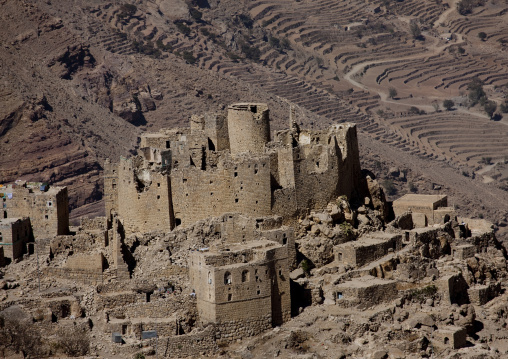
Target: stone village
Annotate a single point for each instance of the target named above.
(220, 232)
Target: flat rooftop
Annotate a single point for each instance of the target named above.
(421, 199)
(364, 282)
(10, 221)
(370, 239)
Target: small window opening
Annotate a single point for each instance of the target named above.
(340, 257)
(339, 295)
(227, 278)
(236, 200)
(158, 197)
(168, 144)
(245, 276)
(158, 184)
(185, 180)
(446, 340)
(259, 292)
(178, 221)
(46, 216)
(284, 241)
(230, 297)
(236, 174)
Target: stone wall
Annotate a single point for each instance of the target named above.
(14, 235)
(365, 291)
(86, 262)
(298, 170)
(48, 209)
(161, 308)
(232, 330)
(144, 199)
(481, 294)
(195, 344)
(90, 224)
(241, 185)
(366, 250)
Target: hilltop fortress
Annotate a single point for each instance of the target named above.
(228, 164)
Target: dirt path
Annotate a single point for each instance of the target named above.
(384, 95)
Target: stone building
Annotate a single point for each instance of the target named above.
(367, 249)
(15, 233)
(365, 291)
(244, 288)
(228, 164)
(47, 207)
(453, 337)
(426, 210)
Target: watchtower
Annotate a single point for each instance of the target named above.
(248, 127)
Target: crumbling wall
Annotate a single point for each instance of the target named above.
(14, 235)
(144, 198)
(241, 186)
(48, 209)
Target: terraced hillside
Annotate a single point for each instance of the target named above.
(138, 65)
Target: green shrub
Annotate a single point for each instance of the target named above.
(448, 104)
(195, 14)
(184, 29)
(392, 92)
(305, 266)
(246, 21)
(250, 52)
(389, 187)
(189, 57)
(127, 11)
(476, 93)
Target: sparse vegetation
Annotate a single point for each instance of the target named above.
(127, 11)
(392, 93)
(415, 31)
(465, 7)
(146, 48)
(195, 14)
(476, 93)
(74, 342)
(189, 57)
(20, 336)
(389, 187)
(435, 104)
(245, 20)
(486, 160)
(184, 29)
(413, 110)
(251, 52)
(448, 104)
(490, 107)
(482, 36)
(305, 265)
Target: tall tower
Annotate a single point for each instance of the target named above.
(248, 127)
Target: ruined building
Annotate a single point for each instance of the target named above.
(47, 207)
(228, 164)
